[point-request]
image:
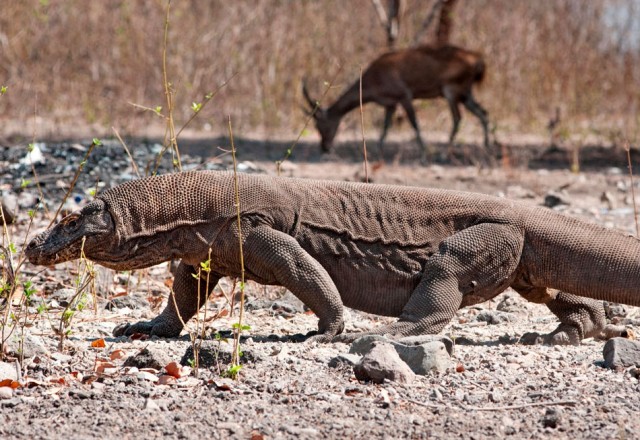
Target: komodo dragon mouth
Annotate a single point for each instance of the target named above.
(88, 229)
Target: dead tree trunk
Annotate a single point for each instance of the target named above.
(444, 23)
(390, 20)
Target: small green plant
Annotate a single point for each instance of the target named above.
(84, 280)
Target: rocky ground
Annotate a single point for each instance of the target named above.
(97, 386)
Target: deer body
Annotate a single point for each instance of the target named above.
(399, 77)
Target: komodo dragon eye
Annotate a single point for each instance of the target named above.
(70, 222)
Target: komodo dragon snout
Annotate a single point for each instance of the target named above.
(64, 241)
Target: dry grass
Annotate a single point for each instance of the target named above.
(85, 61)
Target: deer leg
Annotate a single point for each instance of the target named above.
(388, 117)
(474, 107)
(455, 114)
(411, 114)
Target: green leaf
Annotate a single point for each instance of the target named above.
(12, 248)
(24, 183)
(92, 192)
(97, 142)
(32, 213)
(196, 106)
(158, 109)
(3, 90)
(30, 148)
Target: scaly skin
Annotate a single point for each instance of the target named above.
(415, 253)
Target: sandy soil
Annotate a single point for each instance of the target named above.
(495, 388)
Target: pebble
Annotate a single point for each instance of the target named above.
(6, 393)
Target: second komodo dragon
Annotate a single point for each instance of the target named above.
(415, 253)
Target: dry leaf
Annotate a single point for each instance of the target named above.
(176, 370)
(117, 354)
(102, 366)
(9, 383)
(98, 343)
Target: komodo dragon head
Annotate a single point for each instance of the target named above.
(63, 242)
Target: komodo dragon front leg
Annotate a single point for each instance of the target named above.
(470, 266)
(278, 258)
(169, 323)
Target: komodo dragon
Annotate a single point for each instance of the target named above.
(415, 253)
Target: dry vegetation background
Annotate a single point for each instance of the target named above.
(82, 63)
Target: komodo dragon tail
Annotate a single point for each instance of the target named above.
(582, 258)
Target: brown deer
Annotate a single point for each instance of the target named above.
(399, 77)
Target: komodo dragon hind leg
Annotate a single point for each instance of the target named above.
(169, 323)
(470, 266)
(580, 317)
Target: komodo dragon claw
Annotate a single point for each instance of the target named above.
(155, 327)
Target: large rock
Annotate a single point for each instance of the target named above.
(383, 362)
(363, 344)
(426, 353)
(424, 358)
(621, 352)
(8, 209)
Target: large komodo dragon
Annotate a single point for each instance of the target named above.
(415, 253)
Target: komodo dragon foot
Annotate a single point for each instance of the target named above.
(155, 327)
(580, 318)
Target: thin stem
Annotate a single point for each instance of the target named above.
(633, 193)
(236, 350)
(364, 142)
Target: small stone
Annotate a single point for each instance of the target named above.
(553, 199)
(383, 362)
(9, 209)
(134, 302)
(552, 418)
(29, 346)
(151, 405)
(148, 358)
(494, 317)
(145, 375)
(6, 393)
(81, 394)
(344, 359)
(8, 371)
(621, 352)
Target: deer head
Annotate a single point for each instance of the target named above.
(326, 125)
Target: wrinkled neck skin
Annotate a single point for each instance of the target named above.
(170, 239)
(190, 243)
(122, 234)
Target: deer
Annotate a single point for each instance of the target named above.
(399, 77)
